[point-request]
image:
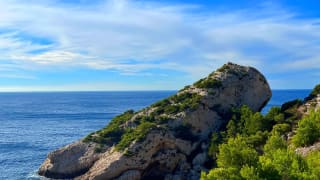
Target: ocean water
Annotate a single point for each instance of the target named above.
(33, 124)
(281, 96)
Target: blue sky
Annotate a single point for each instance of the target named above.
(56, 45)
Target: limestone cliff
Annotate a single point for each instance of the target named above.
(169, 139)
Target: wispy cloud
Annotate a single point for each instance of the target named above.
(108, 34)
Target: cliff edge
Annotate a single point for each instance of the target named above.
(167, 140)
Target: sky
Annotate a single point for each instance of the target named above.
(97, 45)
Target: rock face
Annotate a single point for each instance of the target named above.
(168, 140)
(77, 157)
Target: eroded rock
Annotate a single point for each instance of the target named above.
(69, 161)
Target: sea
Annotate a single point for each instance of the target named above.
(34, 123)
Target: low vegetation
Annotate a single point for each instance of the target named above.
(224, 68)
(314, 93)
(308, 131)
(133, 126)
(115, 133)
(227, 68)
(177, 103)
(136, 134)
(208, 83)
(254, 146)
(112, 133)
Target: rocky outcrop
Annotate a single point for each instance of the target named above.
(304, 151)
(310, 103)
(169, 139)
(69, 161)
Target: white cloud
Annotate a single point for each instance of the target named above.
(312, 63)
(106, 35)
(17, 76)
(50, 57)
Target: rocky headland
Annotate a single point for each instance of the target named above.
(169, 139)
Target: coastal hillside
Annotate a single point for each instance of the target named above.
(283, 144)
(175, 138)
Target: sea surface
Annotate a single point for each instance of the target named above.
(33, 124)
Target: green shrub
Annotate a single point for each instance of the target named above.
(177, 103)
(112, 133)
(275, 115)
(236, 153)
(222, 174)
(189, 101)
(249, 122)
(161, 103)
(181, 97)
(313, 162)
(126, 139)
(308, 131)
(214, 145)
(281, 128)
(208, 83)
(185, 88)
(283, 164)
(250, 173)
(224, 68)
(314, 92)
(88, 138)
(280, 162)
(274, 143)
(171, 109)
(258, 139)
(232, 129)
(131, 135)
(250, 150)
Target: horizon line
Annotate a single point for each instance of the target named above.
(129, 90)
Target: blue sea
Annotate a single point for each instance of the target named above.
(33, 124)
